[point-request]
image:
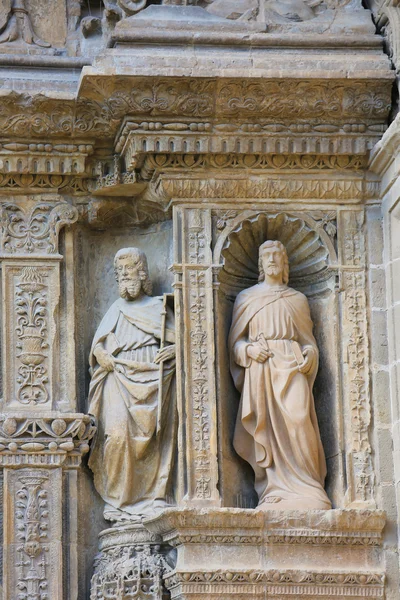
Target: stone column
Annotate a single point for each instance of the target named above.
(42, 439)
(195, 353)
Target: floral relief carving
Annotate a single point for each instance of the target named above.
(31, 310)
(357, 358)
(289, 99)
(199, 376)
(34, 229)
(326, 221)
(32, 524)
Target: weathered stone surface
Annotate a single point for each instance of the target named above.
(196, 133)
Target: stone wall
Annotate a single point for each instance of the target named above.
(196, 132)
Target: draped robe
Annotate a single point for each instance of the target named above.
(277, 430)
(132, 463)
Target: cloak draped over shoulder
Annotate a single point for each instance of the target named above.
(132, 463)
(277, 430)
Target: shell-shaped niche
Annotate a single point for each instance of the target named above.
(307, 253)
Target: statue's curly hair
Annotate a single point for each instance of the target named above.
(271, 244)
(140, 260)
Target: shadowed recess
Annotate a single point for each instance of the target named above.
(308, 256)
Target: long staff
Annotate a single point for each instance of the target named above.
(161, 373)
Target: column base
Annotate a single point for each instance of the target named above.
(131, 564)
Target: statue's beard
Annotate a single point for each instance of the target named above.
(273, 270)
(129, 290)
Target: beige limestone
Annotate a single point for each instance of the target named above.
(274, 360)
(197, 140)
(132, 395)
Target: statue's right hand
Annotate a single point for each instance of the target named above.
(258, 352)
(104, 359)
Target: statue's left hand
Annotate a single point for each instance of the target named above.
(165, 353)
(310, 360)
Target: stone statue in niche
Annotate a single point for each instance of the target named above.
(132, 395)
(274, 361)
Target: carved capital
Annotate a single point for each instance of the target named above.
(30, 228)
(47, 440)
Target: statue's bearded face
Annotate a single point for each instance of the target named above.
(273, 261)
(129, 279)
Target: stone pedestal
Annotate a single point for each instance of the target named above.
(131, 564)
(231, 553)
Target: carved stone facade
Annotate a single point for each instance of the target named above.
(196, 131)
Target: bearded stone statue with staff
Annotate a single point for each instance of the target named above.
(274, 361)
(132, 395)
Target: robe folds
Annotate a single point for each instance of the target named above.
(276, 429)
(131, 462)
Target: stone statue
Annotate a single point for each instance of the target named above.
(274, 361)
(132, 395)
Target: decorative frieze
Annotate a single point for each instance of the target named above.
(270, 188)
(240, 584)
(230, 98)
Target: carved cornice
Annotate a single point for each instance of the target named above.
(385, 151)
(24, 115)
(237, 526)
(43, 158)
(50, 439)
(104, 101)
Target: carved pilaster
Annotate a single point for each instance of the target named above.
(34, 453)
(355, 359)
(194, 282)
(31, 291)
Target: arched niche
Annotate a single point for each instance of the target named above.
(312, 259)
(310, 250)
